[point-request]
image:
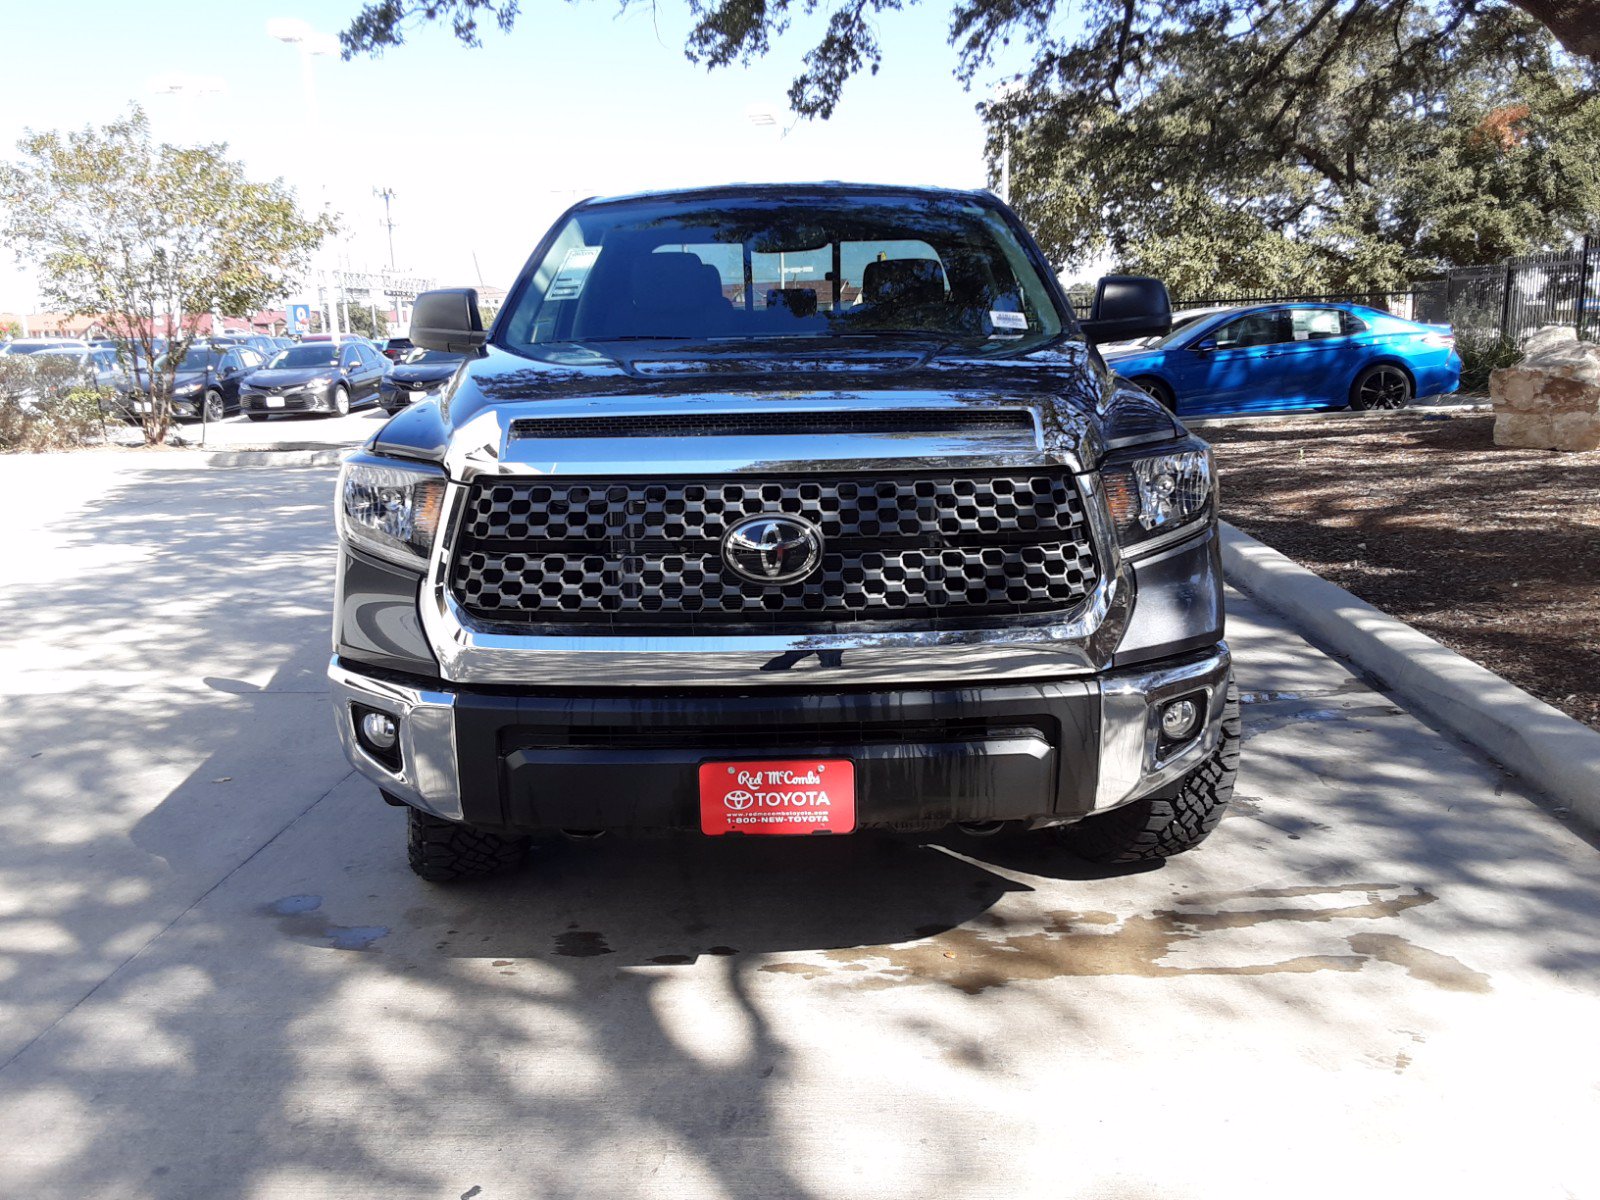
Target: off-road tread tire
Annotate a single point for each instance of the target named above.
(1161, 826)
(443, 851)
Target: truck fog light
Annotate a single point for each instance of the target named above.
(378, 731)
(1179, 720)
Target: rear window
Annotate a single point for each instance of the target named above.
(947, 268)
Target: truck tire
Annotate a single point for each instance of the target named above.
(443, 851)
(1161, 826)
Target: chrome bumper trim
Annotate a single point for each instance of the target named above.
(1131, 762)
(428, 777)
(1130, 766)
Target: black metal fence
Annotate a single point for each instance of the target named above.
(1505, 300)
(1515, 297)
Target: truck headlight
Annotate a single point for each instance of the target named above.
(1152, 496)
(390, 509)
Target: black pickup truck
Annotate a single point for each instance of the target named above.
(785, 510)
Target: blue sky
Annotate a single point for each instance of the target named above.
(485, 147)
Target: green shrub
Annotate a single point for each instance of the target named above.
(1482, 352)
(44, 406)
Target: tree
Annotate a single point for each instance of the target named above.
(1103, 50)
(1323, 174)
(365, 323)
(152, 236)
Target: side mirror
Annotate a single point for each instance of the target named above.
(1204, 346)
(448, 319)
(1127, 307)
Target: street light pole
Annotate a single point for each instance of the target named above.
(386, 194)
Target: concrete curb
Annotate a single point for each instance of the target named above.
(188, 458)
(1546, 747)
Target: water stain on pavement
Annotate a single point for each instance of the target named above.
(1099, 944)
(297, 916)
(581, 943)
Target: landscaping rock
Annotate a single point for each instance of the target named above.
(1551, 399)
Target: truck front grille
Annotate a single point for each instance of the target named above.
(647, 554)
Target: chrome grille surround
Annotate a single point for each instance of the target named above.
(562, 653)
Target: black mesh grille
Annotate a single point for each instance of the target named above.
(1012, 421)
(649, 553)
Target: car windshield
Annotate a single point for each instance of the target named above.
(195, 358)
(318, 354)
(1184, 325)
(46, 348)
(943, 268)
(419, 355)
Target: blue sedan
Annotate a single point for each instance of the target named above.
(1287, 356)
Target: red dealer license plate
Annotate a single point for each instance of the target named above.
(805, 795)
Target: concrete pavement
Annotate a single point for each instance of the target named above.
(217, 979)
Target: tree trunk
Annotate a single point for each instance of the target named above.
(1576, 23)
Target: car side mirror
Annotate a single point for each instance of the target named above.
(448, 319)
(1127, 307)
(1205, 345)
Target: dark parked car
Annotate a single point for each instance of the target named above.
(416, 376)
(1289, 356)
(325, 377)
(699, 545)
(205, 384)
(396, 348)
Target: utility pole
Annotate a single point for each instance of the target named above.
(386, 194)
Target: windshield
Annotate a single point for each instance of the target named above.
(419, 355)
(1183, 326)
(319, 354)
(947, 268)
(195, 358)
(46, 348)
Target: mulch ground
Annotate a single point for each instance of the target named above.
(1496, 553)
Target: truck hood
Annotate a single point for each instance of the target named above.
(489, 407)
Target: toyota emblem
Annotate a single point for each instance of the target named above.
(772, 549)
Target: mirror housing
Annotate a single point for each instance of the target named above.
(1126, 307)
(448, 319)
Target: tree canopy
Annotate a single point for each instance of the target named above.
(151, 235)
(1294, 144)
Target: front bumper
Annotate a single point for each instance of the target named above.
(305, 400)
(1041, 752)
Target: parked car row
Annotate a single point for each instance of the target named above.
(257, 375)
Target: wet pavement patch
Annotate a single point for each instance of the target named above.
(1101, 944)
(581, 943)
(298, 917)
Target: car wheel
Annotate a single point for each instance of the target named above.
(341, 400)
(215, 407)
(257, 416)
(1381, 386)
(1166, 824)
(443, 851)
(1160, 391)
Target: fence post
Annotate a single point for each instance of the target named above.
(1505, 304)
(1583, 283)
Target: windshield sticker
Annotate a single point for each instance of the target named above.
(1008, 320)
(573, 273)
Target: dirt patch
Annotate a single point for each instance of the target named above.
(1494, 552)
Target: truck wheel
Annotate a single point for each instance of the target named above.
(1161, 826)
(442, 851)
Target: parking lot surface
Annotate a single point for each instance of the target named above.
(1380, 978)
